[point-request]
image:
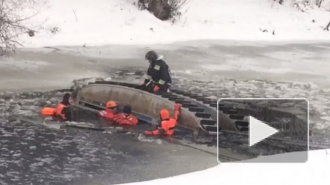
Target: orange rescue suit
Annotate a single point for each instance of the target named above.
(125, 119)
(108, 114)
(59, 110)
(49, 111)
(167, 125)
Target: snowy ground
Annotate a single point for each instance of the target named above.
(100, 22)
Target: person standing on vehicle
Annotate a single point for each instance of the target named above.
(158, 74)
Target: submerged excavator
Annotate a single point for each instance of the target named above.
(218, 127)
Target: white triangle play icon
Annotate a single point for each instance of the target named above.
(259, 131)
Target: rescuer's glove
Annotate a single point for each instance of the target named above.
(177, 107)
(156, 88)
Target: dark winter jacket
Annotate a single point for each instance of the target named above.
(159, 72)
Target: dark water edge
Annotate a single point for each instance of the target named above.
(34, 154)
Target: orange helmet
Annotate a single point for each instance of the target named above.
(111, 104)
(164, 114)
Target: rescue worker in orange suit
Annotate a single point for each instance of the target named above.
(158, 74)
(62, 111)
(110, 110)
(126, 117)
(167, 124)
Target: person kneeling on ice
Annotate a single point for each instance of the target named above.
(126, 118)
(167, 124)
(110, 110)
(62, 110)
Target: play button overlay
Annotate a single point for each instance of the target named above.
(263, 129)
(259, 131)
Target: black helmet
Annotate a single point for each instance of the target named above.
(151, 56)
(127, 109)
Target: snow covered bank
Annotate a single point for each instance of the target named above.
(315, 171)
(100, 22)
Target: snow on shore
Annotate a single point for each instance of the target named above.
(315, 171)
(102, 22)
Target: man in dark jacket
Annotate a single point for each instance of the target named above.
(158, 74)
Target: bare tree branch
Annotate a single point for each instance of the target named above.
(163, 9)
(176, 5)
(327, 27)
(12, 19)
(319, 3)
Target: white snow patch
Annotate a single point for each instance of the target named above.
(327, 118)
(143, 138)
(46, 160)
(315, 171)
(34, 166)
(100, 22)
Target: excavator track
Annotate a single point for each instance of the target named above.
(232, 131)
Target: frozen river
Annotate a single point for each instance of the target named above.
(34, 154)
